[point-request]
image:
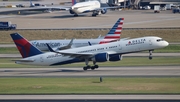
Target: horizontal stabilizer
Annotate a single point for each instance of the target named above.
(22, 60)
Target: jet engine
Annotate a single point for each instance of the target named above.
(102, 57)
(104, 11)
(115, 58)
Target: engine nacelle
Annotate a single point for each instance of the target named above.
(71, 11)
(102, 57)
(115, 58)
(104, 11)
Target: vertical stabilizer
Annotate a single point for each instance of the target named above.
(115, 31)
(31, 4)
(24, 47)
(73, 2)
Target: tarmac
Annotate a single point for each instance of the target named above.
(63, 19)
(139, 71)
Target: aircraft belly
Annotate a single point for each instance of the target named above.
(82, 10)
(77, 11)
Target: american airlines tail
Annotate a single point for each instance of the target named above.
(73, 2)
(115, 32)
(24, 47)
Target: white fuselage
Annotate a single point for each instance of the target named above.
(83, 7)
(119, 47)
(41, 44)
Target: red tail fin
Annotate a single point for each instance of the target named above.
(24, 47)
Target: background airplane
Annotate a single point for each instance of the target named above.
(88, 6)
(97, 53)
(76, 8)
(112, 35)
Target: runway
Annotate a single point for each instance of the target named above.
(125, 55)
(62, 19)
(143, 71)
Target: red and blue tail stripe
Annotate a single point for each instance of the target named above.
(24, 47)
(115, 31)
(73, 2)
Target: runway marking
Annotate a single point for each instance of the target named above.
(144, 71)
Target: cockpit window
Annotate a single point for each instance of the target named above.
(159, 40)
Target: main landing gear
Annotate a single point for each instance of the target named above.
(150, 54)
(90, 67)
(95, 13)
(75, 15)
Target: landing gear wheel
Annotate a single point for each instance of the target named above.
(94, 15)
(84, 68)
(92, 68)
(75, 15)
(150, 57)
(96, 66)
(150, 54)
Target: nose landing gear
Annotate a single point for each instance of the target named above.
(150, 54)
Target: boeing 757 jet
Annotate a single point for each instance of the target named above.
(88, 6)
(93, 6)
(97, 53)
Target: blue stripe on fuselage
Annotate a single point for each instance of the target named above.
(68, 62)
(86, 11)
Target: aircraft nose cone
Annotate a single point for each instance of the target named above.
(166, 43)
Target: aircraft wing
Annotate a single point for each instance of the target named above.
(46, 8)
(114, 7)
(79, 55)
(22, 60)
(51, 8)
(67, 46)
(76, 55)
(60, 48)
(83, 55)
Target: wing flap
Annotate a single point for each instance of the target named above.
(77, 55)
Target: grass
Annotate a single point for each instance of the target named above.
(89, 86)
(127, 61)
(169, 49)
(171, 35)
(9, 50)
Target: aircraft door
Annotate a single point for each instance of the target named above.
(150, 42)
(120, 47)
(41, 59)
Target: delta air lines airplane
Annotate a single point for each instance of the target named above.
(97, 53)
(87, 6)
(112, 35)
